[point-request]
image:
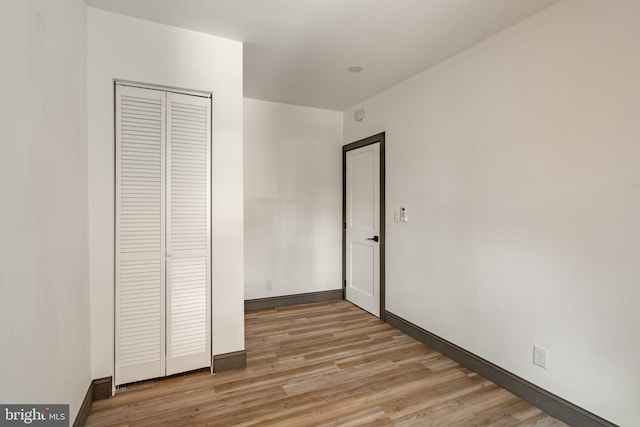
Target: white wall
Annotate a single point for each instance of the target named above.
(127, 48)
(293, 204)
(518, 161)
(44, 265)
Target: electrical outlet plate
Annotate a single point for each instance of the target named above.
(269, 285)
(540, 356)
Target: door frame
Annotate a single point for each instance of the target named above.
(378, 138)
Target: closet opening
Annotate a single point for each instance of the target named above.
(162, 231)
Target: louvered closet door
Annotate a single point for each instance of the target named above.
(188, 233)
(140, 234)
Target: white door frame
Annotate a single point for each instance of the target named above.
(379, 138)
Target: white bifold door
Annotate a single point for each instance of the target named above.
(162, 238)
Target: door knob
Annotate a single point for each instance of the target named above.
(374, 238)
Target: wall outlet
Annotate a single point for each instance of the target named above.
(540, 356)
(269, 285)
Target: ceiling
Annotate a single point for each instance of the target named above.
(298, 51)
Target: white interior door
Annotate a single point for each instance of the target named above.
(140, 234)
(188, 232)
(163, 235)
(363, 227)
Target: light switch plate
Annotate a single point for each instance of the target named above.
(403, 214)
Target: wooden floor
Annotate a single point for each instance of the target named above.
(325, 364)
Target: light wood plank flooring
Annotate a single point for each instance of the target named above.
(324, 364)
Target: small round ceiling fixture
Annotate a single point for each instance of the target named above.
(354, 69)
(358, 115)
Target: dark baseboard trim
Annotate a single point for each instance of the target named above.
(102, 388)
(98, 389)
(85, 407)
(286, 300)
(229, 361)
(539, 397)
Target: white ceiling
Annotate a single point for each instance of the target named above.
(298, 51)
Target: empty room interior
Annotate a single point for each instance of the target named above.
(322, 212)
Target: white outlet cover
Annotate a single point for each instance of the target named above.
(540, 356)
